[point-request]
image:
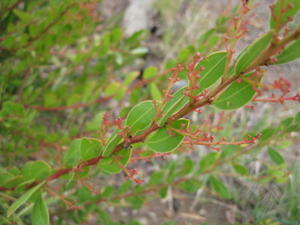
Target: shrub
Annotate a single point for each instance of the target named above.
(63, 74)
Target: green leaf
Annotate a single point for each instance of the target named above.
(150, 72)
(191, 186)
(140, 117)
(267, 133)
(73, 155)
(163, 192)
(20, 201)
(113, 141)
(250, 53)
(90, 148)
(24, 16)
(275, 156)
(186, 167)
(40, 215)
(130, 78)
(235, 96)
(240, 169)
(208, 160)
(166, 140)
(157, 177)
(117, 162)
(289, 12)
(177, 102)
(185, 53)
(155, 92)
(290, 53)
(214, 66)
(4, 177)
(36, 170)
(219, 187)
(95, 123)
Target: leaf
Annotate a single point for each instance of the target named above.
(113, 141)
(185, 53)
(166, 140)
(191, 186)
(90, 148)
(140, 117)
(290, 53)
(250, 53)
(155, 92)
(130, 78)
(36, 170)
(275, 156)
(117, 162)
(73, 155)
(115, 89)
(40, 215)
(186, 167)
(150, 72)
(207, 161)
(95, 123)
(235, 96)
(4, 177)
(219, 187)
(24, 16)
(289, 12)
(242, 170)
(267, 133)
(214, 66)
(20, 201)
(177, 102)
(139, 51)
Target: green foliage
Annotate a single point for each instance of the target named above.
(290, 9)
(140, 117)
(40, 215)
(213, 66)
(238, 94)
(82, 128)
(291, 53)
(251, 52)
(177, 102)
(166, 139)
(23, 199)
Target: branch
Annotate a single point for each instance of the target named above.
(278, 99)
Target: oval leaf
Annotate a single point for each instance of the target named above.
(275, 156)
(36, 170)
(150, 72)
(249, 54)
(155, 92)
(242, 170)
(208, 161)
(177, 102)
(290, 53)
(73, 155)
(117, 162)
(219, 187)
(90, 148)
(113, 141)
(20, 201)
(140, 117)
(166, 140)
(235, 96)
(40, 215)
(214, 66)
